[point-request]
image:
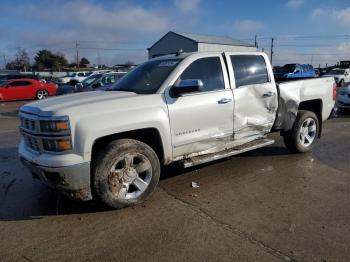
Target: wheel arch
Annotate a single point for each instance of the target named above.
(315, 106)
(149, 136)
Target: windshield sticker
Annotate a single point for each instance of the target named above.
(168, 63)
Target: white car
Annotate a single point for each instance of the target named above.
(78, 76)
(343, 98)
(341, 75)
(81, 76)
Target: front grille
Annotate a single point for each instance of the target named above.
(28, 124)
(31, 142)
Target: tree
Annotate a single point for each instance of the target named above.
(45, 59)
(21, 61)
(84, 62)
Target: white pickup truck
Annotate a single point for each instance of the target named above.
(341, 75)
(189, 107)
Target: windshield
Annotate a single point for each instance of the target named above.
(147, 77)
(3, 82)
(288, 68)
(90, 79)
(337, 72)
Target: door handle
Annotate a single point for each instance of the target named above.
(224, 100)
(268, 94)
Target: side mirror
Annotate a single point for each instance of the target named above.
(297, 72)
(187, 86)
(7, 86)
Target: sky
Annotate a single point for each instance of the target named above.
(112, 32)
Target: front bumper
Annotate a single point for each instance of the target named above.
(73, 180)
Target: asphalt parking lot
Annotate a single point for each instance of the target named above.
(265, 205)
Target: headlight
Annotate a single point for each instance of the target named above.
(57, 145)
(56, 126)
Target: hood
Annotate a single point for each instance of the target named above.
(80, 103)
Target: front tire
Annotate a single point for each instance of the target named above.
(125, 173)
(42, 94)
(304, 133)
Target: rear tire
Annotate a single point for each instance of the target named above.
(125, 173)
(41, 94)
(304, 133)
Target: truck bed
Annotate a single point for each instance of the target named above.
(293, 93)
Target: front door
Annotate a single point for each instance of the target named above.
(255, 95)
(17, 90)
(202, 120)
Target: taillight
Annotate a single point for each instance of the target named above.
(334, 91)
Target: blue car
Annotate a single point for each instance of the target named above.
(291, 71)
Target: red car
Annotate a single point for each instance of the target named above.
(20, 89)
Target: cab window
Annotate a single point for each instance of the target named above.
(109, 79)
(249, 70)
(208, 70)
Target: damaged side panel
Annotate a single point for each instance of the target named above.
(254, 114)
(289, 100)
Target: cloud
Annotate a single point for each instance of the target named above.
(316, 56)
(117, 31)
(318, 12)
(248, 26)
(186, 6)
(341, 16)
(295, 3)
(118, 17)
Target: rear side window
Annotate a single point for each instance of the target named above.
(249, 70)
(208, 70)
(109, 79)
(21, 83)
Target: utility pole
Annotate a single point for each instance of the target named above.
(77, 49)
(5, 62)
(271, 50)
(256, 41)
(98, 58)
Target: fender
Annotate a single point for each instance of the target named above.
(88, 130)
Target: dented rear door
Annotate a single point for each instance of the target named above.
(255, 94)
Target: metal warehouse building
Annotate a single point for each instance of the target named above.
(172, 42)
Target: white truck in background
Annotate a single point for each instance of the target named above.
(189, 107)
(341, 76)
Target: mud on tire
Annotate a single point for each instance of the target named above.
(125, 173)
